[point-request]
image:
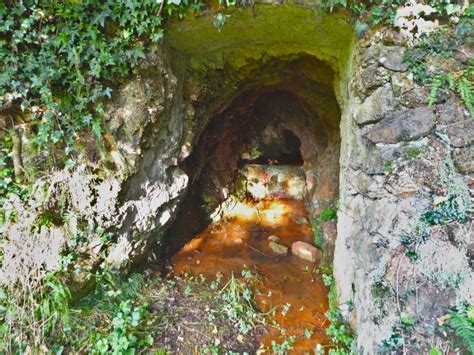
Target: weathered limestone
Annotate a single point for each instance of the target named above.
(407, 126)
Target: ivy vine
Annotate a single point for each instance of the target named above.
(60, 59)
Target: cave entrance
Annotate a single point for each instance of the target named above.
(260, 166)
(262, 158)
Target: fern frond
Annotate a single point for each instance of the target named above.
(464, 328)
(466, 91)
(435, 86)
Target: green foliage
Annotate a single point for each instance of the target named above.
(328, 214)
(435, 351)
(447, 211)
(342, 337)
(60, 59)
(461, 83)
(388, 167)
(32, 313)
(237, 302)
(457, 206)
(412, 152)
(372, 12)
(112, 319)
(444, 43)
(318, 235)
(400, 332)
(7, 178)
(124, 335)
(285, 346)
(462, 321)
(325, 215)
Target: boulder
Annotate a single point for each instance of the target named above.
(305, 251)
(405, 126)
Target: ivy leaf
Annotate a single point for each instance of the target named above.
(453, 9)
(96, 128)
(108, 92)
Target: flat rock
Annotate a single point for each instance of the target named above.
(402, 82)
(370, 78)
(278, 248)
(405, 126)
(305, 251)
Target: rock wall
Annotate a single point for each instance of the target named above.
(397, 159)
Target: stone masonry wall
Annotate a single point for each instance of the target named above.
(400, 158)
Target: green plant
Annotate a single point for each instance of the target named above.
(341, 334)
(125, 334)
(318, 235)
(388, 167)
(328, 214)
(412, 152)
(400, 331)
(237, 302)
(462, 321)
(284, 346)
(33, 312)
(59, 60)
(446, 212)
(461, 83)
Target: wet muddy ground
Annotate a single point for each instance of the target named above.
(291, 290)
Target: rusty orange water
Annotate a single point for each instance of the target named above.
(225, 247)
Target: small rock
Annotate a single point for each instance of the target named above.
(405, 126)
(461, 134)
(392, 58)
(402, 82)
(464, 159)
(245, 156)
(274, 238)
(416, 97)
(305, 251)
(439, 200)
(301, 220)
(370, 78)
(437, 64)
(376, 106)
(451, 111)
(278, 248)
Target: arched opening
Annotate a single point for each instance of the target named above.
(263, 167)
(260, 146)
